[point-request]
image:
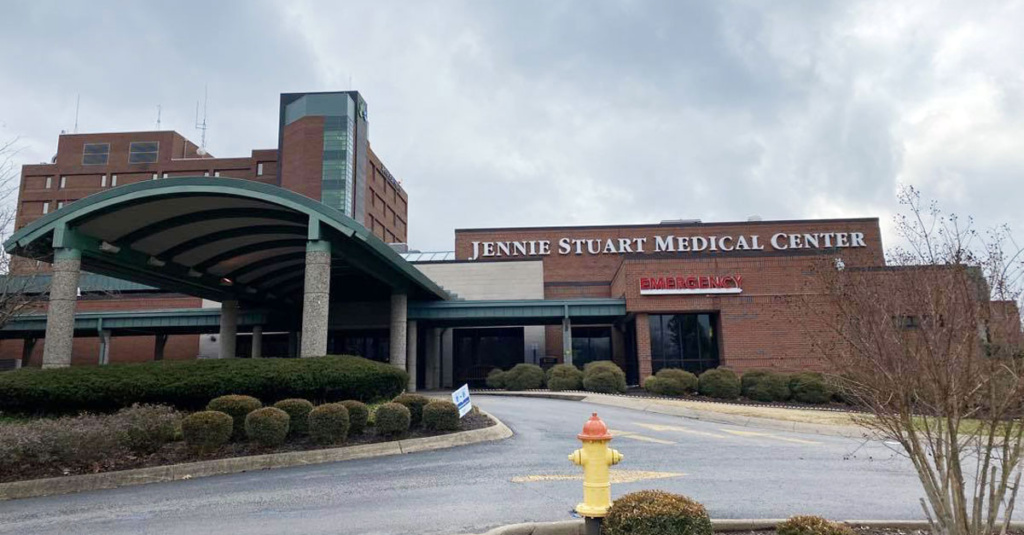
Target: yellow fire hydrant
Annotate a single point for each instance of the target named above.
(595, 457)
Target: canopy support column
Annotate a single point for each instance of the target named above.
(316, 299)
(566, 337)
(257, 341)
(60, 315)
(433, 375)
(228, 328)
(410, 361)
(104, 347)
(399, 313)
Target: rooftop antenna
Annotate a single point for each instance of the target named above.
(158, 117)
(78, 100)
(202, 125)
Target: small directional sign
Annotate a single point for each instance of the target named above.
(461, 400)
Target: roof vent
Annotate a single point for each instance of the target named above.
(754, 218)
(680, 221)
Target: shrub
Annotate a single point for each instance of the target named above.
(524, 377)
(267, 427)
(189, 385)
(654, 385)
(329, 423)
(298, 414)
(441, 415)
(496, 379)
(358, 415)
(654, 512)
(237, 407)
(72, 443)
(415, 404)
(812, 525)
(809, 388)
(719, 383)
(143, 429)
(604, 376)
(207, 430)
(750, 378)
(392, 419)
(564, 377)
(770, 387)
(673, 382)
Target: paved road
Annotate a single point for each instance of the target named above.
(737, 472)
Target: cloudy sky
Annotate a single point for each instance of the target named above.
(543, 112)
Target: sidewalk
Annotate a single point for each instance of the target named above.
(835, 423)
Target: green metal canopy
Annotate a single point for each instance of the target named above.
(220, 238)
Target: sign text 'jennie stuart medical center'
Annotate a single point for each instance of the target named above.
(666, 244)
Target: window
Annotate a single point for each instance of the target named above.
(590, 344)
(63, 182)
(206, 173)
(96, 154)
(103, 181)
(259, 169)
(686, 341)
(113, 181)
(143, 151)
(49, 182)
(166, 175)
(60, 204)
(46, 208)
(155, 176)
(216, 173)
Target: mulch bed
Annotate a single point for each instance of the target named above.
(178, 452)
(641, 393)
(864, 531)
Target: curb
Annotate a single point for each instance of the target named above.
(575, 527)
(666, 407)
(233, 465)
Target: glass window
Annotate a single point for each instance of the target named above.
(49, 182)
(96, 154)
(590, 344)
(143, 151)
(259, 169)
(686, 341)
(113, 180)
(63, 182)
(103, 181)
(46, 208)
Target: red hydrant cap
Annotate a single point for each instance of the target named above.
(594, 429)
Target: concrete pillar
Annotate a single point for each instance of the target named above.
(399, 313)
(158, 346)
(104, 348)
(433, 375)
(410, 360)
(26, 351)
(643, 347)
(60, 316)
(447, 358)
(316, 299)
(257, 341)
(228, 328)
(567, 340)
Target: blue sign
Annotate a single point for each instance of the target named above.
(461, 400)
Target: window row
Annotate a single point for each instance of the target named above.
(138, 152)
(89, 181)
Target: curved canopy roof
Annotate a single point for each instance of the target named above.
(220, 238)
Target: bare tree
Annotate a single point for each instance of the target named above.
(931, 346)
(17, 292)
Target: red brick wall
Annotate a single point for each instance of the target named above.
(387, 204)
(303, 147)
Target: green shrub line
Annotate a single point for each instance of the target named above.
(564, 377)
(496, 379)
(190, 385)
(524, 376)
(719, 383)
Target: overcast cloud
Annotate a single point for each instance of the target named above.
(545, 112)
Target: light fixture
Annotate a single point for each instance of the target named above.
(224, 281)
(154, 261)
(108, 247)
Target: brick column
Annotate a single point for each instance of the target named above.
(316, 299)
(643, 347)
(60, 314)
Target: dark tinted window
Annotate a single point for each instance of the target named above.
(686, 341)
(96, 154)
(143, 152)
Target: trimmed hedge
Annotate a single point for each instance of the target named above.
(358, 415)
(524, 377)
(298, 414)
(564, 377)
(770, 387)
(809, 388)
(237, 407)
(654, 512)
(392, 419)
(415, 404)
(441, 415)
(751, 378)
(604, 376)
(329, 423)
(207, 430)
(671, 382)
(719, 383)
(496, 379)
(267, 427)
(191, 384)
(812, 525)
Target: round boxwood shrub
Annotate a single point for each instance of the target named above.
(238, 407)
(564, 377)
(207, 430)
(751, 378)
(676, 382)
(719, 383)
(392, 419)
(604, 376)
(441, 415)
(298, 414)
(329, 423)
(654, 385)
(358, 415)
(812, 525)
(146, 428)
(496, 379)
(771, 387)
(524, 377)
(415, 404)
(267, 427)
(809, 388)
(654, 512)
